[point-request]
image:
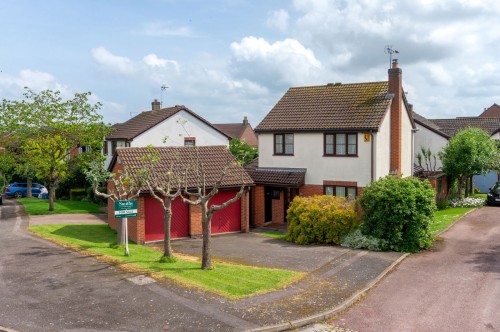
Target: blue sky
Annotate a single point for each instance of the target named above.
(225, 59)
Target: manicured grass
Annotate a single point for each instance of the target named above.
(35, 206)
(446, 217)
(232, 281)
(273, 234)
(483, 196)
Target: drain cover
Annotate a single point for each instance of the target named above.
(141, 280)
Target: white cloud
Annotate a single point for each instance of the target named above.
(13, 86)
(278, 19)
(166, 29)
(113, 63)
(285, 62)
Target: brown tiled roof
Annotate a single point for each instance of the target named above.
(146, 120)
(213, 158)
(279, 177)
(452, 126)
(429, 124)
(233, 130)
(492, 112)
(331, 106)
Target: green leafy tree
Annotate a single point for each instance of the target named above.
(48, 128)
(242, 151)
(470, 152)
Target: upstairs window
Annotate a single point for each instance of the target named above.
(189, 141)
(341, 144)
(283, 144)
(113, 147)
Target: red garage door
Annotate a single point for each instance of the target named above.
(228, 219)
(154, 219)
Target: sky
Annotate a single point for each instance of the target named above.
(226, 59)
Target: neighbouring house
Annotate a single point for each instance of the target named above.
(435, 133)
(172, 126)
(242, 131)
(186, 219)
(332, 139)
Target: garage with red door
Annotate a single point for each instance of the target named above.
(154, 219)
(228, 219)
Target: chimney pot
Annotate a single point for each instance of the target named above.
(395, 63)
(245, 120)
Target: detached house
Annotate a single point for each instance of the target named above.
(242, 131)
(332, 139)
(172, 126)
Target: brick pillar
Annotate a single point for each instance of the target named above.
(245, 212)
(258, 205)
(396, 88)
(195, 227)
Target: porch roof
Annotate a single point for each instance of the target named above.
(279, 177)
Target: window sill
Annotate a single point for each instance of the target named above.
(283, 155)
(341, 155)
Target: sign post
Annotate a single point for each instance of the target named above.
(123, 210)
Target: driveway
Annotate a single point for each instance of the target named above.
(455, 286)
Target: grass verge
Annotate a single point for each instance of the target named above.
(446, 217)
(35, 206)
(229, 280)
(273, 234)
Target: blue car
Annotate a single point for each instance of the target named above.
(20, 189)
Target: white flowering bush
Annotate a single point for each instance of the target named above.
(467, 202)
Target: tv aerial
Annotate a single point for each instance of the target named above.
(390, 50)
(163, 88)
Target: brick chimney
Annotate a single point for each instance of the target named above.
(245, 121)
(155, 105)
(396, 88)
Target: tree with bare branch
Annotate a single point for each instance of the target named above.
(202, 195)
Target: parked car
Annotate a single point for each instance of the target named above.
(20, 189)
(493, 197)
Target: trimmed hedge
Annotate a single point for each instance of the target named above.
(320, 219)
(399, 210)
(77, 194)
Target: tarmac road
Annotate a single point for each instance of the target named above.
(455, 286)
(47, 288)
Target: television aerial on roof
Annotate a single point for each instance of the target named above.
(389, 50)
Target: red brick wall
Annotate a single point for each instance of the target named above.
(245, 212)
(249, 136)
(258, 205)
(277, 206)
(395, 87)
(195, 227)
(311, 190)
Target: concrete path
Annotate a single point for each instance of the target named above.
(455, 286)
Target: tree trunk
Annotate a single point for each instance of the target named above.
(167, 222)
(121, 232)
(460, 185)
(52, 196)
(206, 258)
(28, 188)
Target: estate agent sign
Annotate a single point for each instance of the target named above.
(125, 208)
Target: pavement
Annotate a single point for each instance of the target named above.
(337, 278)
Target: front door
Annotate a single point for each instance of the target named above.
(268, 204)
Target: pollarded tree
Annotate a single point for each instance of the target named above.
(468, 153)
(49, 128)
(205, 191)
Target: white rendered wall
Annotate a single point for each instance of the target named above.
(406, 144)
(383, 147)
(428, 139)
(175, 128)
(496, 136)
(308, 153)
(109, 156)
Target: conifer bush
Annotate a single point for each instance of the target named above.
(399, 210)
(320, 219)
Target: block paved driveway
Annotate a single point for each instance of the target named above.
(46, 288)
(455, 286)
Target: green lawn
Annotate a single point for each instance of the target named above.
(446, 217)
(232, 281)
(35, 206)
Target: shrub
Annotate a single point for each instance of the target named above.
(92, 197)
(357, 240)
(443, 204)
(77, 194)
(320, 219)
(399, 210)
